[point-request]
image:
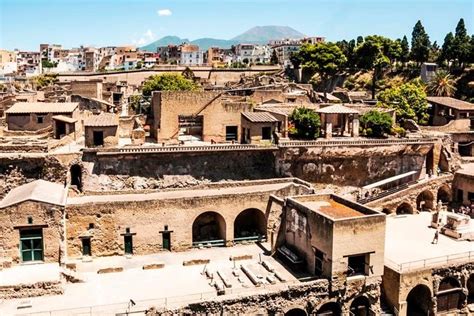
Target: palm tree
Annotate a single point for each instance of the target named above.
(442, 84)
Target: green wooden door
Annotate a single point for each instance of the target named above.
(167, 240)
(128, 243)
(31, 245)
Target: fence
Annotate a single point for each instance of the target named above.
(140, 307)
(360, 142)
(458, 258)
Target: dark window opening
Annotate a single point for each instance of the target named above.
(39, 119)
(318, 262)
(98, 138)
(230, 133)
(267, 133)
(357, 265)
(86, 247)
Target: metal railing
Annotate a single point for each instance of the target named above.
(169, 149)
(459, 258)
(160, 304)
(358, 142)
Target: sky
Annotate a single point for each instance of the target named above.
(24, 24)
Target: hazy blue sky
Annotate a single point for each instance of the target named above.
(25, 24)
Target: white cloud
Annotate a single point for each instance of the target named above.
(147, 37)
(164, 12)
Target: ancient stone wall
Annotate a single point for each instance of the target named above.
(147, 217)
(350, 165)
(309, 297)
(31, 290)
(215, 166)
(17, 169)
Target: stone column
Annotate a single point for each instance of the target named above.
(355, 127)
(328, 132)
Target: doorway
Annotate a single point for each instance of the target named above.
(128, 244)
(167, 240)
(31, 245)
(86, 247)
(98, 138)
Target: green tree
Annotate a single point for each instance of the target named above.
(47, 64)
(447, 50)
(408, 100)
(420, 44)
(306, 123)
(348, 49)
(442, 84)
(370, 55)
(274, 58)
(360, 40)
(167, 82)
(325, 59)
(405, 50)
(376, 123)
(461, 44)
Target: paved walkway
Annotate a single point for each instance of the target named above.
(409, 237)
(172, 286)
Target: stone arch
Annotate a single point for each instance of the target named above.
(250, 223)
(425, 201)
(360, 306)
(470, 289)
(297, 311)
(450, 295)
(404, 208)
(76, 176)
(209, 226)
(419, 301)
(329, 309)
(444, 194)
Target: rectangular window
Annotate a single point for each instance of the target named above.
(267, 133)
(39, 119)
(31, 245)
(470, 196)
(230, 133)
(318, 262)
(86, 247)
(357, 265)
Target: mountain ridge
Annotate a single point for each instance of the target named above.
(255, 35)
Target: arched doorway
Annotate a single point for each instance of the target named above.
(76, 176)
(444, 194)
(470, 289)
(425, 201)
(329, 309)
(360, 306)
(209, 228)
(450, 295)
(296, 312)
(250, 224)
(404, 208)
(419, 301)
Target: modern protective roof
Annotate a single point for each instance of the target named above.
(337, 109)
(63, 118)
(102, 120)
(259, 117)
(452, 103)
(39, 191)
(42, 107)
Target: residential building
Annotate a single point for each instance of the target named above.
(191, 55)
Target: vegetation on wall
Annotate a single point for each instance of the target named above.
(305, 123)
(376, 124)
(167, 82)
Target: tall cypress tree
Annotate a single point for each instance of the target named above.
(405, 54)
(461, 45)
(420, 43)
(447, 49)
